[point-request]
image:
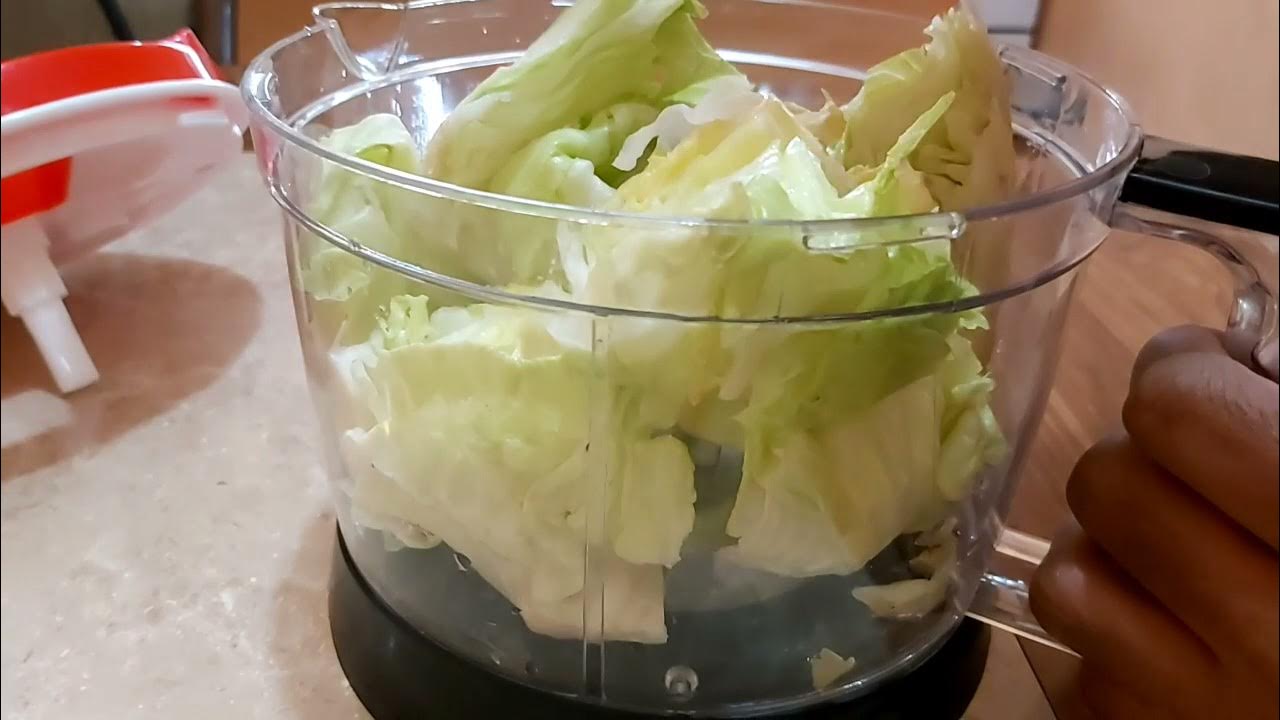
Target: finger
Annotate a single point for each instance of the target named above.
(1184, 340)
(1242, 347)
(1267, 356)
(1108, 699)
(1213, 576)
(1212, 423)
(1246, 348)
(1082, 598)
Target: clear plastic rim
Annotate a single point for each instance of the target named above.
(496, 295)
(255, 89)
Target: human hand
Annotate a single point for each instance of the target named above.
(1167, 587)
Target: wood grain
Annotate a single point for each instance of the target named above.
(262, 22)
(1131, 289)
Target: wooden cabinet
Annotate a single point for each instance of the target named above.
(1200, 72)
(262, 22)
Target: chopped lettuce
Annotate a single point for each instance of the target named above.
(545, 128)
(916, 597)
(967, 158)
(539, 444)
(594, 55)
(569, 166)
(828, 666)
(836, 470)
(830, 419)
(487, 432)
(562, 166)
(827, 123)
(722, 98)
(549, 126)
(364, 210)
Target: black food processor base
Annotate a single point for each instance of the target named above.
(400, 674)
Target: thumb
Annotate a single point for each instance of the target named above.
(1259, 355)
(1268, 358)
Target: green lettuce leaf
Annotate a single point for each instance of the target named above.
(837, 467)
(809, 405)
(828, 666)
(561, 166)
(918, 596)
(679, 269)
(548, 126)
(483, 429)
(348, 293)
(532, 441)
(569, 166)
(968, 157)
(596, 53)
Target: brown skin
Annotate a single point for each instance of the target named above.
(1167, 585)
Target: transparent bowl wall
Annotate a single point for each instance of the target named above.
(738, 643)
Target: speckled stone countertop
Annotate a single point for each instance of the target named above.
(166, 533)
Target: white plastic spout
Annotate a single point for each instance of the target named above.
(33, 290)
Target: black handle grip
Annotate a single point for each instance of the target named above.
(1207, 184)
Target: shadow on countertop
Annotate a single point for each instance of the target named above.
(311, 679)
(159, 330)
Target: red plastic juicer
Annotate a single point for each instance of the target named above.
(99, 140)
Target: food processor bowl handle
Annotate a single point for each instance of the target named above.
(1206, 184)
(1227, 205)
